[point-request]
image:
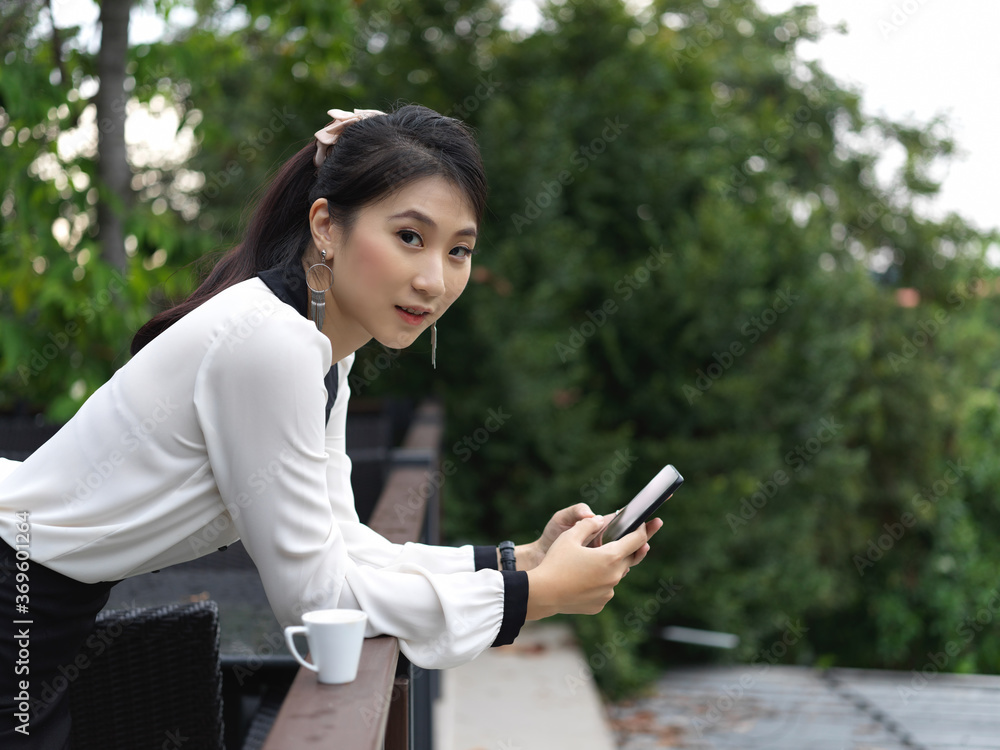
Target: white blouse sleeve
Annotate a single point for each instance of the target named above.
(365, 546)
(260, 400)
(7, 466)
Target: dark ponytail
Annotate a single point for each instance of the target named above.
(371, 159)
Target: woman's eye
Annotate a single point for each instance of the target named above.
(464, 252)
(409, 237)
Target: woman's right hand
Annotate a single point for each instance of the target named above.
(576, 579)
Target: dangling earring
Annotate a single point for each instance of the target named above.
(434, 344)
(317, 298)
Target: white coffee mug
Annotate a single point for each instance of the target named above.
(335, 638)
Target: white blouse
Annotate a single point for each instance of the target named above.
(213, 432)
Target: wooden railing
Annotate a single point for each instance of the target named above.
(381, 708)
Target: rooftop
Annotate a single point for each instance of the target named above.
(537, 694)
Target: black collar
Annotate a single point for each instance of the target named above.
(288, 283)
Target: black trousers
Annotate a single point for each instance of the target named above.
(44, 619)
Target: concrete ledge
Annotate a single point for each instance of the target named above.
(536, 694)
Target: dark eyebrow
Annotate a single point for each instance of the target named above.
(424, 218)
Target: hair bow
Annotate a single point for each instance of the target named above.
(341, 119)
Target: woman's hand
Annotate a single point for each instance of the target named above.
(576, 579)
(529, 556)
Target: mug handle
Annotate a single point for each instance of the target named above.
(290, 633)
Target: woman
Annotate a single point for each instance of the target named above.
(231, 415)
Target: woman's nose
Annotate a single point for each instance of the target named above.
(429, 279)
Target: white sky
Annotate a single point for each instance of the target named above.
(910, 59)
(914, 59)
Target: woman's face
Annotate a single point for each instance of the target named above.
(405, 260)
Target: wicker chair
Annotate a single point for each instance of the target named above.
(152, 680)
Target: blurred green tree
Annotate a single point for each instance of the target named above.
(689, 259)
(210, 106)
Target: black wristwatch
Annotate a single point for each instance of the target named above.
(507, 559)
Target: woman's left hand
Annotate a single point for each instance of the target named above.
(531, 555)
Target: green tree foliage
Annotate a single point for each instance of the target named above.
(234, 81)
(688, 258)
(65, 314)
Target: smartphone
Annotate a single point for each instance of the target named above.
(643, 505)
